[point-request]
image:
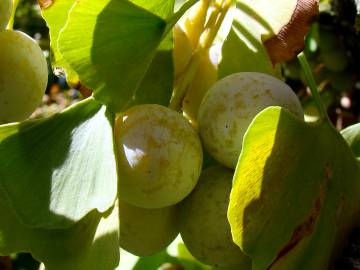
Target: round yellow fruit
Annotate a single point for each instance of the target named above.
(204, 227)
(144, 232)
(231, 104)
(5, 13)
(23, 76)
(159, 156)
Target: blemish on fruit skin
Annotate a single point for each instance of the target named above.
(225, 113)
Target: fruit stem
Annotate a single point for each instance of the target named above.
(12, 18)
(206, 39)
(312, 85)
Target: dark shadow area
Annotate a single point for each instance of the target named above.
(290, 199)
(124, 43)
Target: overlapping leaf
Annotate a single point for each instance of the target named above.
(54, 171)
(296, 193)
(111, 46)
(56, 14)
(265, 33)
(91, 244)
(352, 137)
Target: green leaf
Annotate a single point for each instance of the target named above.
(156, 87)
(296, 193)
(243, 49)
(56, 16)
(55, 171)
(352, 136)
(161, 8)
(111, 44)
(90, 244)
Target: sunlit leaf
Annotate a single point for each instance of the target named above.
(111, 44)
(161, 8)
(56, 13)
(296, 193)
(265, 33)
(55, 171)
(91, 244)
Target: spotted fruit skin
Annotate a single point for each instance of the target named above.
(159, 156)
(230, 105)
(147, 231)
(23, 76)
(204, 227)
(5, 13)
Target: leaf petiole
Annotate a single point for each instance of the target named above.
(312, 85)
(206, 40)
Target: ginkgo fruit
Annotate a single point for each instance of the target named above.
(204, 227)
(5, 13)
(144, 232)
(230, 105)
(23, 76)
(159, 156)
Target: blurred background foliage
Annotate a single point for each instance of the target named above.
(333, 49)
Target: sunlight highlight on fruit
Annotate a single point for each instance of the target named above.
(159, 156)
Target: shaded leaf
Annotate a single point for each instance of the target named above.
(296, 193)
(44, 166)
(90, 244)
(110, 44)
(156, 87)
(161, 8)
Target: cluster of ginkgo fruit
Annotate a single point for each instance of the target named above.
(164, 188)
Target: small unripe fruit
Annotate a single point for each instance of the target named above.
(204, 227)
(23, 76)
(5, 13)
(182, 52)
(144, 232)
(335, 61)
(159, 156)
(230, 105)
(205, 77)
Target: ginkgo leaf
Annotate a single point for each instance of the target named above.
(351, 135)
(296, 193)
(56, 13)
(264, 33)
(90, 244)
(44, 166)
(111, 44)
